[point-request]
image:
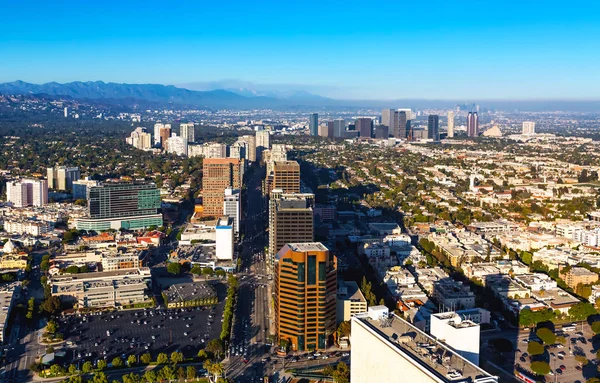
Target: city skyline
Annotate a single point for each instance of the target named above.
(512, 46)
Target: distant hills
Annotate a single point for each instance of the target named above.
(238, 94)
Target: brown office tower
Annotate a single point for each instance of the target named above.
(219, 174)
(286, 176)
(305, 294)
(165, 133)
(291, 219)
(364, 127)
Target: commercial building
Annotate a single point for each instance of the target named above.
(9, 294)
(164, 133)
(112, 261)
(80, 188)
(350, 301)
(251, 149)
(263, 142)
(364, 126)
(121, 205)
(191, 294)
(450, 124)
(177, 145)
(232, 207)
(218, 175)
(388, 349)
(577, 275)
(13, 261)
(382, 132)
(157, 128)
(313, 124)
(472, 124)
(460, 334)
(286, 176)
(27, 192)
(224, 239)
(403, 125)
(305, 295)
(186, 131)
(433, 127)
(291, 219)
(140, 139)
(62, 177)
(339, 128)
(210, 150)
(528, 128)
(325, 131)
(238, 150)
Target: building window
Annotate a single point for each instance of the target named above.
(322, 274)
(300, 272)
(312, 269)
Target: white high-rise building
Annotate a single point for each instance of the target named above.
(66, 112)
(231, 207)
(187, 131)
(238, 150)
(27, 192)
(140, 139)
(157, 128)
(177, 145)
(386, 116)
(458, 333)
(388, 349)
(224, 239)
(263, 142)
(528, 127)
(450, 124)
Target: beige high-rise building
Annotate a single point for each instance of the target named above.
(186, 131)
(218, 175)
(450, 124)
(251, 148)
(62, 177)
(577, 275)
(528, 127)
(286, 176)
(290, 219)
(263, 142)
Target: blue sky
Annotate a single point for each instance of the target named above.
(467, 49)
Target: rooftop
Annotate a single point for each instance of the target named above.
(424, 350)
(307, 246)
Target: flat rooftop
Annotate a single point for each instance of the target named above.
(308, 246)
(426, 351)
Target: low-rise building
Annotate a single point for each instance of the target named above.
(31, 227)
(13, 261)
(460, 334)
(8, 296)
(577, 275)
(350, 301)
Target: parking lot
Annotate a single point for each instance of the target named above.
(122, 333)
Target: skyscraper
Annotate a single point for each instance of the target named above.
(231, 207)
(433, 127)
(472, 124)
(122, 205)
(177, 145)
(186, 131)
(364, 126)
(528, 127)
(62, 177)
(450, 124)
(386, 118)
(382, 132)
(403, 124)
(313, 122)
(140, 139)
(218, 175)
(339, 127)
(165, 133)
(286, 176)
(305, 295)
(251, 149)
(263, 142)
(27, 192)
(157, 128)
(291, 219)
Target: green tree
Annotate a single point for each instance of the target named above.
(146, 358)
(196, 270)
(174, 268)
(150, 376)
(51, 305)
(546, 335)
(190, 372)
(343, 329)
(131, 360)
(596, 327)
(581, 359)
(56, 370)
(51, 327)
(162, 358)
(101, 364)
(202, 355)
(87, 367)
(581, 311)
(117, 362)
(99, 377)
(72, 369)
(215, 347)
(75, 379)
(176, 357)
(535, 348)
(341, 373)
(540, 367)
(168, 373)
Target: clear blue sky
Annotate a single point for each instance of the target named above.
(348, 49)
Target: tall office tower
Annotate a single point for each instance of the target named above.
(472, 124)
(324, 130)
(157, 128)
(382, 132)
(383, 344)
(305, 295)
(528, 127)
(237, 150)
(409, 113)
(403, 125)
(187, 132)
(313, 123)
(140, 139)
(232, 207)
(263, 142)
(80, 188)
(286, 176)
(278, 153)
(27, 192)
(290, 219)
(364, 125)
(122, 205)
(62, 177)
(66, 112)
(386, 117)
(433, 127)
(251, 149)
(218, 175)
(460, 334)
(165, 133)
(339, 127)
(450, 124)
(177, 145)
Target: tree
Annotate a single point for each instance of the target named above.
(72, 269)
(207, 271)
(581, 311)
(174, 268)
(72, 369)
(56, 370)
(150, 376)
(343, 329)
(196, 270)
(540, 367)
(101, 364)
(162, 358)
(596, 327)
(546, 335)
(190, 372)
(328, 370)
(146, 358)
(100, 377)
(215, 346)
(581, 359)
(75, 379)
(202, 355)
(131, 360)
(87, 367)
(168, 373)
(535, 348)
(561, 339)
(51, 327)
(45, 265)
(181, 373)
(117, 362)
(51, 305)
(176, 357)
(341, 373)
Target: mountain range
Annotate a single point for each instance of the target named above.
(239, 94)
